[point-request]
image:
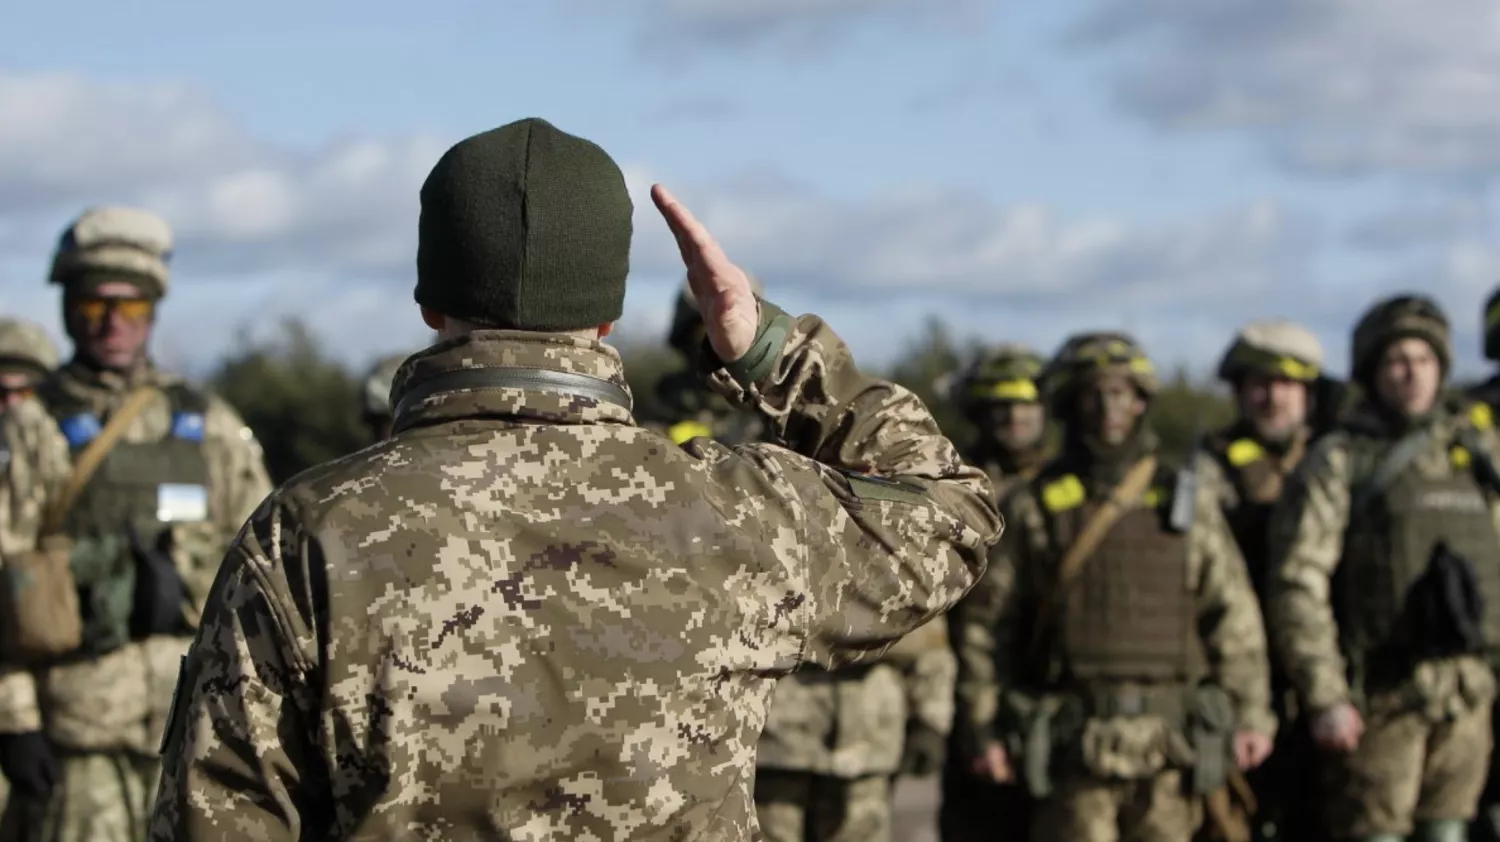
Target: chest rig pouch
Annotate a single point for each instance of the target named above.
(1122, 640)
(138, 496)
(1420, 577)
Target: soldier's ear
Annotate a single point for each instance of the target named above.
(435, 320)
(606, 329)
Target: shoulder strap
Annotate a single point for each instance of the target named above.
(89, 460)
(1397, 459)
(1130, 489)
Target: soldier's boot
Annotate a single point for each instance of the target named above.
(1442, 830)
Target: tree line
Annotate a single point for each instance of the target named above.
(303, 403)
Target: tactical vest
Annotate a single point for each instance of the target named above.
(130, 488)
(1130, 615)
(1258, 481)
(1388, 545)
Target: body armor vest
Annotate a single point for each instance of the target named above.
(127, 492)
(1129, 615)
(1258, 481)
(1389, 545)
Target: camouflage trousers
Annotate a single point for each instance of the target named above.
(975, 810)
(1408, 769)
(103, 797)
(803, 807)
(1154, 809)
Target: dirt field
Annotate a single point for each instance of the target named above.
(915, 817)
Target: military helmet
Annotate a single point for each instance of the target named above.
(375, 389)
(686, 331)
(24, 346)
(1005, 373)
(1492, 326)
(1395, 318)
(1095, 354)
(115, 243)
(1273, 347)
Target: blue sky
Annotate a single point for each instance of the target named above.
(1022, 170)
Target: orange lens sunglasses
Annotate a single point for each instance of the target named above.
(96, 309)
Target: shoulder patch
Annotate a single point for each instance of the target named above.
(1155, 496)
(685, 431)
(1063, 494)
(1481, 416)
(79, 430)
(1245, 451)
(868, 487)
(188, 426)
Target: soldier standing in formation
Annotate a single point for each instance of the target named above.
(27, 357)
(580, 636)
(1383, 551)
(836, 740)
(1271, 367)
(1486, 826)
(1000, 396)
(123, 488)
(1113, 656)
(375, 396)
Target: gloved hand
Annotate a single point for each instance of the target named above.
(29, 763)
(923, 752)
(158, 591)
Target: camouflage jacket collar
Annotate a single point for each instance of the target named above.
(1243, 428)
(102, 389)
(518, 375)
(1369, 419)
(80, 375)
(1105, 465)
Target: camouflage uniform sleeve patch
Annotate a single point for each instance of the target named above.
(867, 487)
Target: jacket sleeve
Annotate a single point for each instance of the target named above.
(1305, 544)
(870, 516)
(240, 759)
(1229, 615)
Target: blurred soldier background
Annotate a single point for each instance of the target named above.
(1113, 656)
(27, 356)
(1486, 826)
(123, 488)
(375, 396)
(696, 409)
(1383, 555)
(998, 393)
(1272, 368)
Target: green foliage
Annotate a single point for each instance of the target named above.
(302, 404)
(1183, 409)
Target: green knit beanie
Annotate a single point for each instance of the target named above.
(525, 227)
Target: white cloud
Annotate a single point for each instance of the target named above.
(806, 25)
(328, 234)
(949, 242)
(1336, 87)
